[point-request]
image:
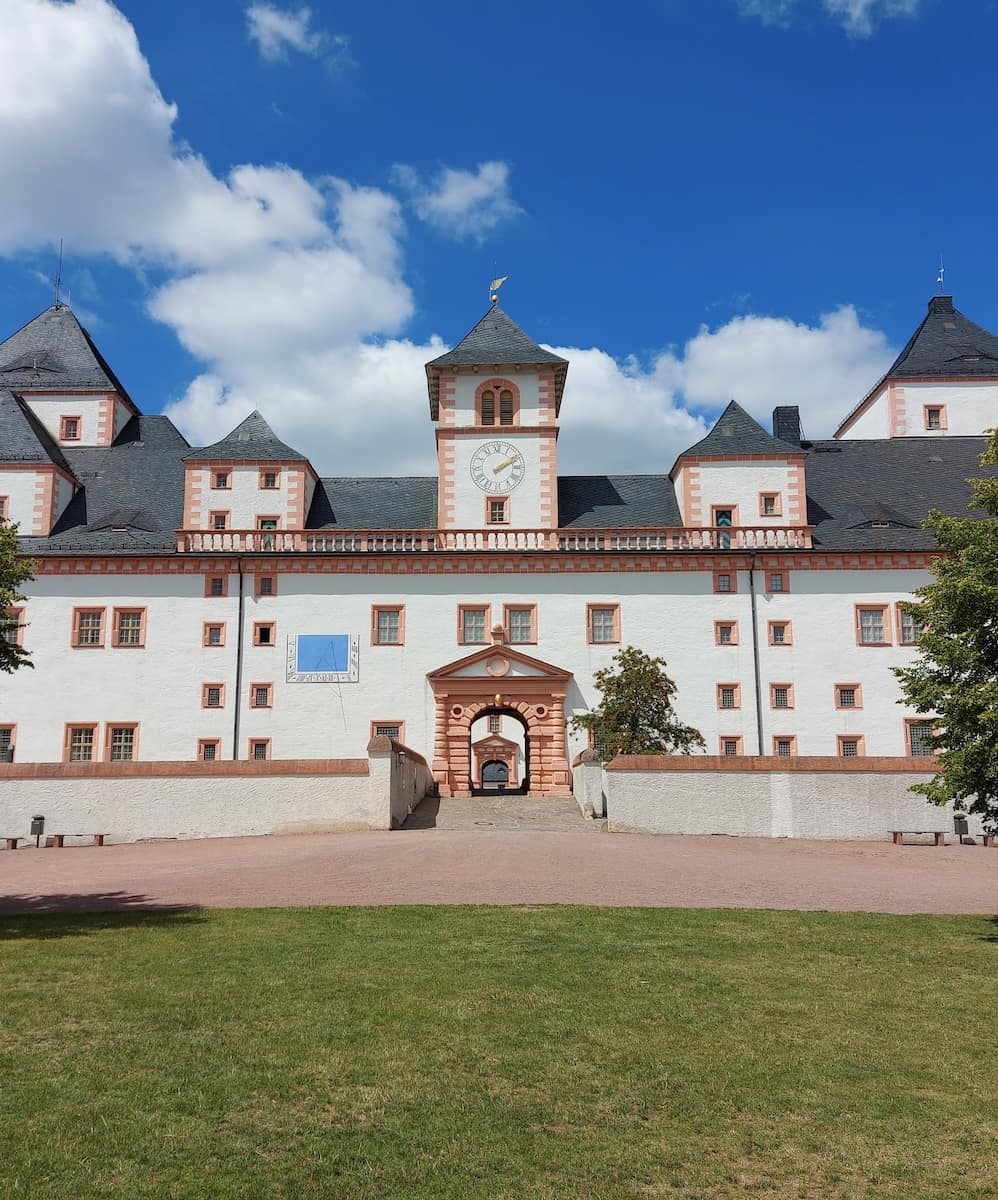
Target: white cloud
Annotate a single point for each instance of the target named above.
(859, 18)
(291, 291)
(276, 31)
(460, 203)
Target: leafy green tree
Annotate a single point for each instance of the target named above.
(955, 678)
(635, 715)
(13, 572)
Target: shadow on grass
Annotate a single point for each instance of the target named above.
(73, 914)
(993, 936)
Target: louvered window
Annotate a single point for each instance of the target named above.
(488, 408)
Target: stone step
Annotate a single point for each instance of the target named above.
(479, 814)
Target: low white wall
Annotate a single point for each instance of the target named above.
(201, 800)
(587, 784)
(768, 797)
(401, 775)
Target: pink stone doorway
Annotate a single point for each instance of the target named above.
(501, 679)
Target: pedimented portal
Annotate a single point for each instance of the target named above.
(499, 677)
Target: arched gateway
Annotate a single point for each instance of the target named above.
(500, 678)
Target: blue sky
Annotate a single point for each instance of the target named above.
(267, 205)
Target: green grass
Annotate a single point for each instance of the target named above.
(541, 1053)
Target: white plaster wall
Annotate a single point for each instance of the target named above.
(737, 485)
(671, 615)
(49, 410)
(971, 407)
(864, 806)
(465, 387)
(244, 499)
(875, 422)
(134, 809)
(525, 499)
(19, 488)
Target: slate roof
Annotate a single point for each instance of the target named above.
(735, 432)
(132, 496)
(251, 440)
(854, 486)
(945, 346)
(389, 503)
(23, 438)
(496, 340)
(55, 351)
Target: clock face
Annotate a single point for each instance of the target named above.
(497, 467)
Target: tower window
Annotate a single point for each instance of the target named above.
(488, 408)
(498, 510)
(505, 408)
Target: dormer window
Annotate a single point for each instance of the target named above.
(69, 429)
(935, 416)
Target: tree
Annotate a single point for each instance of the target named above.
(955, 679)
(635, 715)
(13, 572)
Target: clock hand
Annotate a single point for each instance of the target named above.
(500, 466)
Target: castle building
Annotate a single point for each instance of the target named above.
(227, 602)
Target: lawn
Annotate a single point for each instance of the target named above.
(510, 1053)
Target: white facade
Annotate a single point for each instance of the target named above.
(777, 646)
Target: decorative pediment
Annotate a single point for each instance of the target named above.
(496, 663)
(494, 743)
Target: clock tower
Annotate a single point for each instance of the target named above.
(496, 398)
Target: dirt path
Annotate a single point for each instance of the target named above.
(435, 866)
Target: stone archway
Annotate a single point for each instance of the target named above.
(499, 677)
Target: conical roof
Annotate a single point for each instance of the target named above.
(55, 351)
(251, 440)
(735, 432)
(495, 341)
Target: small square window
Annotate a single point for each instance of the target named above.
(472, 625)
(731, 747)
(726, 633)
(781, 695)
(121, 742)
(728, 695)
(604, 624)
(88, 627)
(216, 585)
(260, 749)
(388, 729)
(779, 633)
(871, 626)
(387, 626)
(213, 634)
(220, 520)
(208, 749)
(521, 625)
(265, 633)
(921, 739)
(129, 627)
(850, 746)
(261, 695)
(725, 581)
(495, 723)
(266, 585)
(220, 480)
(497, 510)
(909, 627)
(69, 429)
(268, 480)
(213, 695)
(776, 581)
(80, 741)
(784, 747)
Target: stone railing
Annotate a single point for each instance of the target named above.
(436, 541)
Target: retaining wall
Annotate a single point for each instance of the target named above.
(838, 798)
(140, 801)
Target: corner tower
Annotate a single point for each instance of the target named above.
(496, 398)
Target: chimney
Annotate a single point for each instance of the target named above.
(941, 304)
(786, 423)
